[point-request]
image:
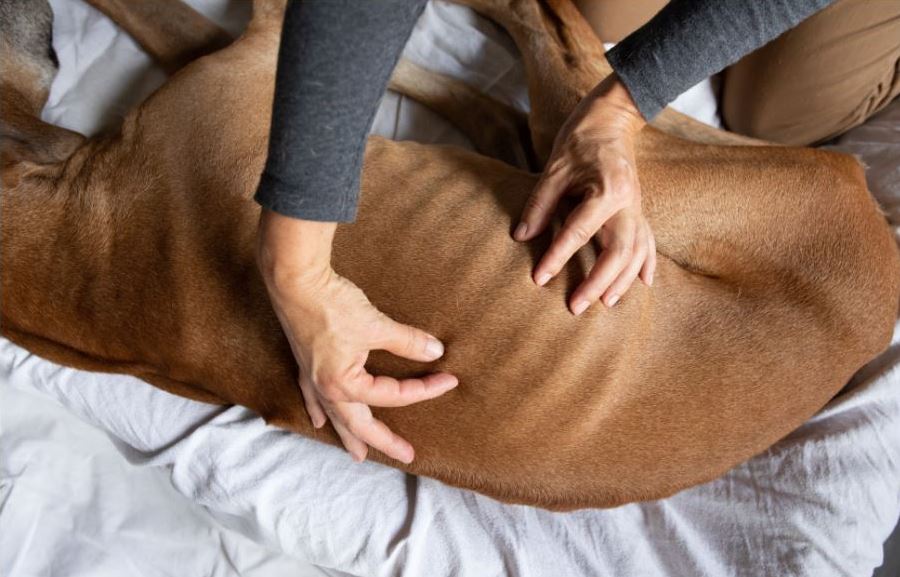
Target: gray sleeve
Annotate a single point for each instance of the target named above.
(689, 40)
(335, 59)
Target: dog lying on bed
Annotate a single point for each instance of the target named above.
(133, 252)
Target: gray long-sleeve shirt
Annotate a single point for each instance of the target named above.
(336, 57)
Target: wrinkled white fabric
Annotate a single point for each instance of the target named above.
(71, 506)
(819, 503)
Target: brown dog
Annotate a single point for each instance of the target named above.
(133, 252)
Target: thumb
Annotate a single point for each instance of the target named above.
(409, 342)
(541, 204)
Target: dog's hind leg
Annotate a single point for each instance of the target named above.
(495, 129)
(170, 31)
(564, 60)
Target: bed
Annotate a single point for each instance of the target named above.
(106, 475)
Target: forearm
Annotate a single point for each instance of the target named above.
(689, 40)
(334, 63)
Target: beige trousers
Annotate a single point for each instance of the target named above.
(820, 79)
(812, 83)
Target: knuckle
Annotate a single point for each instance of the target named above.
(359, 428)
(330, 392)
(414, 340)
(619, 195)
(618, 285)
(331, 387)
(622, 169)
(535, 204)
(416, 389)
(382, 330)
(620, 189)
(578, 234)
(593, 190)
(627, 279)
(592, 291)
(584, 142)
(354, 429)
(620, 252)
(556, 165)
(640, 250)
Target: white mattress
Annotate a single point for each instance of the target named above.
(216, 492)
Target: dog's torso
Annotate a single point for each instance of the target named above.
(749, 328)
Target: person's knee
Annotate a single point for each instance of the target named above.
(757, 103)
(818, 80)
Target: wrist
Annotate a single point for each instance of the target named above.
(293, 254)
(612, 94)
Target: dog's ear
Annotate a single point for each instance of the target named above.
(29, 65)
(24, 137)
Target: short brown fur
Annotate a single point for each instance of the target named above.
(777, 279)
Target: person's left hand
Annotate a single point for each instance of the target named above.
(593, 156)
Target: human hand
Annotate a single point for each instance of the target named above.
(332, 326)
(593, 156)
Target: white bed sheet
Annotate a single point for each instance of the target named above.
(819, 503)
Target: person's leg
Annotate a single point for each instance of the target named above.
(820, 79)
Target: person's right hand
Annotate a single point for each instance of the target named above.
(593, 157)
(332, 326)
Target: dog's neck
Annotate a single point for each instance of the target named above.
(37, 165)
(54, 230)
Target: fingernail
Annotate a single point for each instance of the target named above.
(521, 231)
(650, 279)
(580, 307)
(357, 457)
(406, 457)
(611, 301)
(433, 348)
(544, 278)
